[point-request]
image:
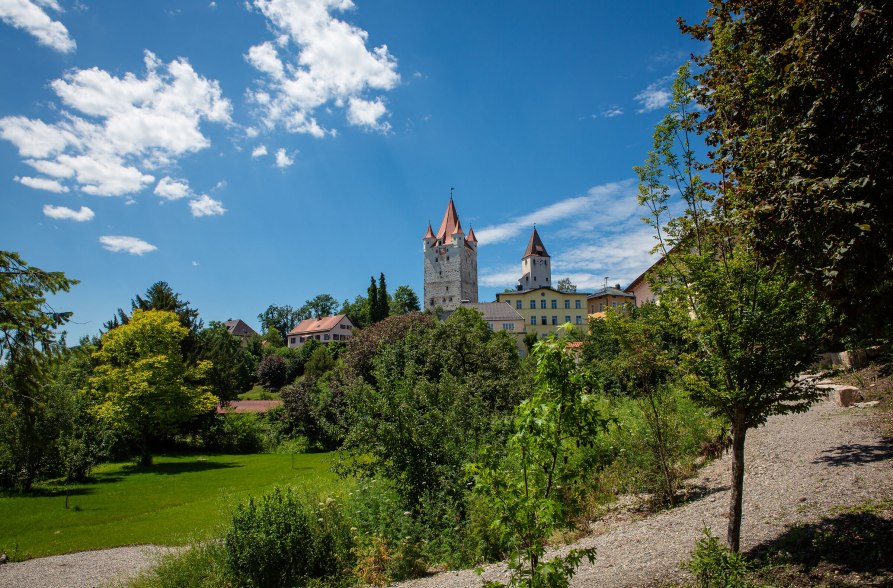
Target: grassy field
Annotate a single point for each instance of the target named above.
(178, 500)
(259, 393)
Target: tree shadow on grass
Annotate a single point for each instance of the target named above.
(180, 467)
(856, 453)
(859, 542)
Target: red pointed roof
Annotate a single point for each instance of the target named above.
(450, 222)
(429, 234)
(535, 246)
(471, 236)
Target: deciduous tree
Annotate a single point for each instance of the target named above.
(142, 383)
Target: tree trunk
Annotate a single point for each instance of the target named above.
(738, 433)
(145, 453)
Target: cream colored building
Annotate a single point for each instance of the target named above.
(323, 329)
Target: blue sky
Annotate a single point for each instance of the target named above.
(263, 152)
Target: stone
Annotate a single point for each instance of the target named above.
(866, 404)
(845, 395)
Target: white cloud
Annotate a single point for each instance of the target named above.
(612, 111)
(212, 5)
(620, 256)
(130, 245)
(657, 95)
(259, 151)
(317, 59)
(30, 16)
(204, 205)
(597, 201)
(42, 184)
(505, 276)
(195, 264)
(282, 159)
(62, 212)
(171, 189)
(112, 130)
(366, 113)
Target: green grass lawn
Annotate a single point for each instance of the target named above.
(178, 500)
(259, 393)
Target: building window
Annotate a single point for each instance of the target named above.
(613, 305)
(542, 304)
(601, 306)
(567, 303)
(578, 304)
(579, 320)
(533, 320)
(489, 325)
(293, 339)
(518, 304)
(554, 303)
(533, 304)
(567, 319)
(508, 326)
(554, 320)
(544, 320)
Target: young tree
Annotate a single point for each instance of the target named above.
(27, 342)
(280, 318)
(565, 285)
(750, 328)
(404, 300)
(142, 383)
(799, 117)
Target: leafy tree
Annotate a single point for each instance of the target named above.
(799, 117)
(319, 306)
(319, 363)
(526, 490)
(271, 372)
(357, 311)
(142, 384)
(27, 343)
(565, 285)
(232, 365)
(404, 300)
(748, 327)
(280, 318)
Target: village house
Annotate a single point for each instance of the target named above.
(601, 300)
(238, 328)
(323, 329)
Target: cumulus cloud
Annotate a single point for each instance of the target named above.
(282, 159)
(64, 213)
(42, 184)
(657, 95)
(204, 205)
(259, 151)
(171, 189)
(30, 16)
(112, 131)
(131, 245)
(315, 60)
(612, 111)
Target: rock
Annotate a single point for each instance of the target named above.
(866, 404)
(845, 395)
(3, 558)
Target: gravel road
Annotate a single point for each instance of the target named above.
(798, 467)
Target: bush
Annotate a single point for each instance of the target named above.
(284, 538)
(238, 433)
(199, 566)
(715, 565)
(271, 372)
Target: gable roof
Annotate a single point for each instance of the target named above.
(535, 246)
(239, 328)
(318, 325)
(609, 291)
(495, 311)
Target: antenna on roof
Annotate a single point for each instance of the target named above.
(606, 281)
(451, 192)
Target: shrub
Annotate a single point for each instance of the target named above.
(271, 372)
(199, 566)
(284, 538)
(238, 433)
(715, 565)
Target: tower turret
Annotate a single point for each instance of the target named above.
(536, 270)
(450, 263)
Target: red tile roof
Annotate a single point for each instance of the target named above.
(535, 246)
(317, 325)
(429, 234)
(471, 236)
(450, 223)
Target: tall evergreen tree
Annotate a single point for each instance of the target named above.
(384, 300)
(373, 300)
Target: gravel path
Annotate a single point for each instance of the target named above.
(797, 468)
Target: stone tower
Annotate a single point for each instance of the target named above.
(451, 263)
(535, 269)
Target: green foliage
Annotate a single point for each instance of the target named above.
(319, 363)
(286, 538)
(404, 300)
(313, 409)
(142, 385)
(526, 490)
(319, 306)
(238, 433)
(199, 566)
(798, 116)
(715, 565)
(232, 366)
(565, 285)
(363, 346)
(357, 311)
(27, 344)
(272, 372)
(280, 319)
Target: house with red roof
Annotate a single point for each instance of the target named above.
(324, 329)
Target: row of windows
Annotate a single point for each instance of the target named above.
(324, 337)
(545, 320)
(601, 306)
(567, 304)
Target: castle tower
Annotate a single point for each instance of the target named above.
(536, 271)
(451, 263)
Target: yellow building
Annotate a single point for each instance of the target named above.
(600, 301)
(545, 309)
